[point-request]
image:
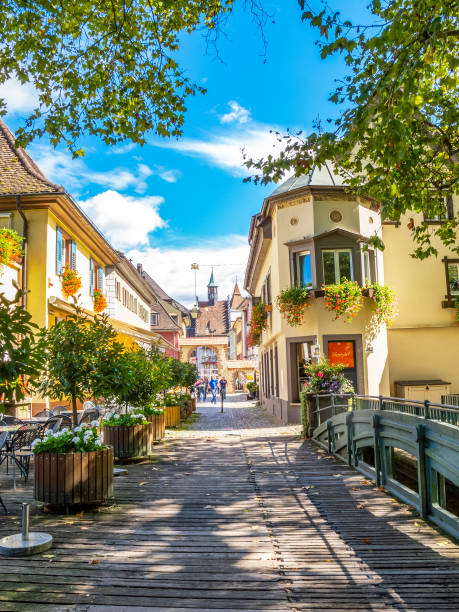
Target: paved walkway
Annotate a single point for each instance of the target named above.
(235, 514)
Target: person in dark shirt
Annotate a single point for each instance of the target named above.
(223, 383)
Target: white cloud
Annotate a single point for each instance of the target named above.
(171, 267)
(226, 150)
(73, 173)
(170, 176)
(125, 220)
(237, 114)
(20, 99)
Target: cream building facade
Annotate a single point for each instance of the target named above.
(311, 231)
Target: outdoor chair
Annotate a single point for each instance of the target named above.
(89, 415)
(11, 420)
(54, 423)
(66, 421)
(59, 409)
(44, 413)
(17, 447)
(3, 439)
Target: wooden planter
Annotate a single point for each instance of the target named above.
(66, 479)
(172, 416)
(159, 426)
(193, 404)
(186, 410)
(129, 440)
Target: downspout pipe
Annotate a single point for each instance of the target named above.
(25, 248)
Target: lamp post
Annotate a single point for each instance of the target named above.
(195, 267)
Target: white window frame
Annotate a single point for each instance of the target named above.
(154, 317)
(336, 261)
(297, 256)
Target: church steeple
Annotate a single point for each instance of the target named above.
(212, 290)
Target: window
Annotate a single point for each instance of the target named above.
(118, 290)
(337, 264)
(5, 220)
(96, 274)
(453, 278)
(143, 313)
(303, 271)
(366, 267)
(175, 318)
(66, 251)
(154, 319)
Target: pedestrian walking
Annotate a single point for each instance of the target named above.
(223, 383)
(213, 385)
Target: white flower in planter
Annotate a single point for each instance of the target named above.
(34, 443)
(94, 423)
(77, 428)
(75, 440)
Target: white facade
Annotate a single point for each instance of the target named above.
(124, 303)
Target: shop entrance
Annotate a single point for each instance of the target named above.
(342, 352)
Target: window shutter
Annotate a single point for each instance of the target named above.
(73, 253)
(100, 278)
(92, 276)
(59, 250)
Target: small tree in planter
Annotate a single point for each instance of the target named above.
(292, 303)
(252, 388)
(84, 464)
(257, 323)
(344, 299)
(83, 359)
(21, 355)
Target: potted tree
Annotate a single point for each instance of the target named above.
(129, 433)
(252, 389)
(21, 357)
(83, 359)
(143, 374)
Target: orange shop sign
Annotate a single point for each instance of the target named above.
(341, 353)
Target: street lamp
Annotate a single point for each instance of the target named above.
(195, 267)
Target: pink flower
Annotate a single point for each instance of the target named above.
(320, 374)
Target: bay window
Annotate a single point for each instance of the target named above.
(303, 271)
(337, 263)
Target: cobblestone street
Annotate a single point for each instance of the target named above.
(240, 417)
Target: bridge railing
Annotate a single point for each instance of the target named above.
(317, 408)
(450, 400)
(374, 440)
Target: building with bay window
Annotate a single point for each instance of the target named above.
(312, 232)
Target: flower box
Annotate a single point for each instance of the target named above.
(172, 416)
(129, 440)
(158, 422)
(268, 307)
(193, 403)
(67, 479)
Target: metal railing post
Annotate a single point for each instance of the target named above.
(381, 402)
(377, 450)
(424, 502)
(426, 409)
(333, 404)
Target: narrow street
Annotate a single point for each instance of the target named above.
(236, 513)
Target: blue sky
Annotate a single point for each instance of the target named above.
(171, 203)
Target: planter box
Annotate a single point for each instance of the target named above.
(193, 403)
(172, 416)
(158, 422)
(66, 479)
(129, 440)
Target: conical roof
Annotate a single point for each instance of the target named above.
(326, 175)
(211, 281)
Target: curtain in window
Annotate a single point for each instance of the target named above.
(100, 278)
(73, 253)
(92, 276)
(59, 250)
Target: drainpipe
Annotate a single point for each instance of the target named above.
(25, 258)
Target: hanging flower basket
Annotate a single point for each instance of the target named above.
(10, 246)
(100, 302)
(71, 281)
(292, 303)
(385, 302)
(257, 324)
(344, 300)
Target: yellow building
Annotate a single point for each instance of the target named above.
(57, 233)
(311, 232)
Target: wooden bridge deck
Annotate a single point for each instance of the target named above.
(234, 520)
